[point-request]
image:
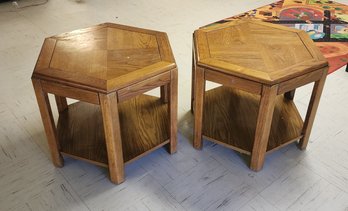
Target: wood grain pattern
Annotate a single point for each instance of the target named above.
(164, 47)
(258, 58)
(61, 102)
(105, 53)
(232, 81)
(263, 126)
(46, 53)
(230, 117)
(312, 110)
(105, 57)
(173, 110)
(297, 70)
(106, 65)
(71, 92)
(201, 45)
(215, 178)
(143, 86)
(164, 93)
(111, 122)
(139, 75)
(315, 52)
(236, 70)
(144, 125)
(300, 81)
(198, 107)
(257, 51)
(85, 82)
(48, 122)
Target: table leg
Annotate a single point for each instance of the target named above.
(199, 88)
(61, 103)
(193, 81)
(311, 111)
(173, 110)
(164, 93)
(290, 94)
(263, 126)
(48, 122)
(109, 109)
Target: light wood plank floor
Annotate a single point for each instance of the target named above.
(214, 178)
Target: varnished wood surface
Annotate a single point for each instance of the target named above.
(71, 92)
(262, 52)
(144, 86)
(258, 58)
(143, 121)
(232, 81)
(112, 132)
(300, 81)
(105, 56)
(61, 102)
(172, 93)
(216, 176)
(105, 65)
(199, 93)
(312, 109)
(48, 123)
(105, 53)
(230, 117)
(263, 126)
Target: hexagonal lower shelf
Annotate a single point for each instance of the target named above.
(230, 116)
(144, 128)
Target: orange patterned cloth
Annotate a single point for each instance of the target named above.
(326, 22)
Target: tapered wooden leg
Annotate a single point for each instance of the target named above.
(193, 81)
(164, 93)
(311, 111)
(61, 103)
(290, 94)
(263, 126)
(109, 109)
(199, 88)
(48, 122)
(173, 110)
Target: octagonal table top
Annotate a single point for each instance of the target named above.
(258, 51)
(104, 57)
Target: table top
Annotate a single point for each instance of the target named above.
(326, 22)
(105, 57)
(258, 51)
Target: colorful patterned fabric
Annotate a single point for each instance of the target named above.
(326, 22)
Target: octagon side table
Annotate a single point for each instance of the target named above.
(259, 66)
(108, 68)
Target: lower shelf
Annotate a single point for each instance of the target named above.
(144, 127)
(230, 117)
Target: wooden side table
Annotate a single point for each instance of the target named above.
(259, 65)
(107, 68)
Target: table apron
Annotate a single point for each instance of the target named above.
(143, 86)
(301, 80)
(233, 81)
(70, 92)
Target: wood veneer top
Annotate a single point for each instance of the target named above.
(258, 51)
(106, 57)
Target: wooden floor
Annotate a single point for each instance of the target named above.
(214, 178)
